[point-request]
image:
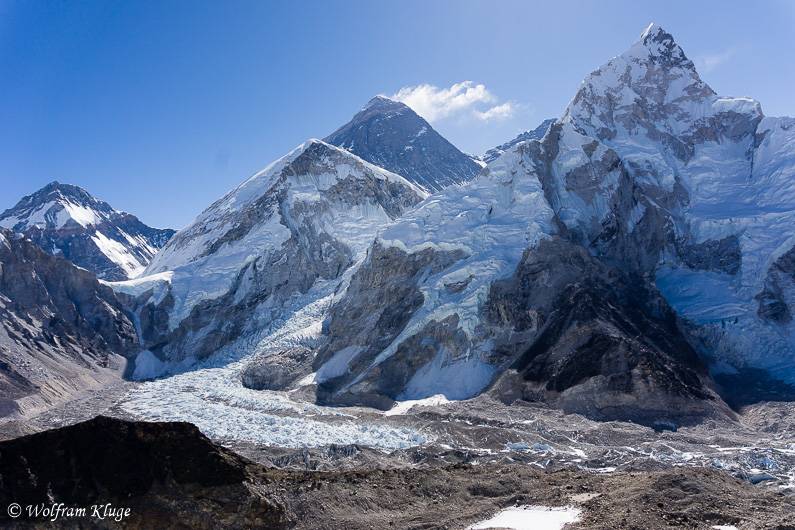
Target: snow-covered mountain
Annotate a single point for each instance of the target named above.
(555, 274)
(310, 215)
(613, 265)
(533, 134)
(711, 213)
(68, 222)
(392, 136)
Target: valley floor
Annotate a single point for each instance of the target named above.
(422, 463)
(611, 475)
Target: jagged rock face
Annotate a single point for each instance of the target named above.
(61, 330)
(679, 147)
(591, 339)
(716, 177)
(392, 136)
(305, 218)
(565, 329)
(776, 299)
(362, 325)
(66, 221)
(276, 370)
(163, 472)
(534, 134)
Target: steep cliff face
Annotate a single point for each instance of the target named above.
(585, 337)
(712, 183)
(61, 330)
(309, 216)
(66, 221)
(648, 181)
(392, 136)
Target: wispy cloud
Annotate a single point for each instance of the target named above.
(498, 112)
(461, 99)
(708, 62)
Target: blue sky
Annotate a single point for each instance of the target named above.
(161, 107)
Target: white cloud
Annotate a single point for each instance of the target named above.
(707, 62)
(434, 103)
(498, 112)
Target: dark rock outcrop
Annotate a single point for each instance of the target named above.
(366, 324)
(589, 338)
(61, 330)
(168, 475)
(277, 369)
(776, 298)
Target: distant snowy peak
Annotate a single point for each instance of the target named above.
(651, 90)
(68, 222)
(390, 135)
(659, 43)
(534, 134)
(55, 206)
(382, 104)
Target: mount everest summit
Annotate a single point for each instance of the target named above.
(392, 136)
(616, 262)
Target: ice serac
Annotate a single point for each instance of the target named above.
(308, 216)
(649, 230)
(62, 332)
(533, 134)
(392, 136)
(66, 221)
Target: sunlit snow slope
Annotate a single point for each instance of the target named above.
(308, 216)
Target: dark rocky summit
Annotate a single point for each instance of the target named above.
(392, 136)
(66, 221)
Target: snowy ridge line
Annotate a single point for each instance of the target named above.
(206, 261)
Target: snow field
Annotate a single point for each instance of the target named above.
(531, 518)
